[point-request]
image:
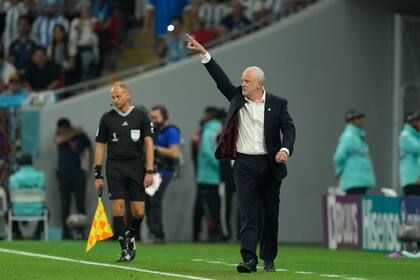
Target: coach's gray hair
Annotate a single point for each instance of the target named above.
(259, 73)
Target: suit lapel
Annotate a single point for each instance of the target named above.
(267, 114)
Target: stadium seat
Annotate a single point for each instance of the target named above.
(24, 197)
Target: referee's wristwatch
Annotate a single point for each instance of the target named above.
(150, 171)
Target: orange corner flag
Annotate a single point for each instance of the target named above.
(100, 229)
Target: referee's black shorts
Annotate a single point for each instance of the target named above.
(125, 179)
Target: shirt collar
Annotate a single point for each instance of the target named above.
(126, 113)
(262, 100)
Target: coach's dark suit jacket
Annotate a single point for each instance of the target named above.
(276, 120)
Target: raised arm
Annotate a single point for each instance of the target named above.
(216, 72)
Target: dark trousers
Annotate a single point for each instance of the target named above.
(226, 174)
(357, 191)
(70, 185)
(229, 192)
(258, 190)
(210, 201)
(197, 216)
(412, 190)
(154, 209)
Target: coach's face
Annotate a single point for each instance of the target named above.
(250, 84)
(120, 97)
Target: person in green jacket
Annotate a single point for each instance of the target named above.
(208, 172)
(352, 162)
(410, 155)
(32, 180)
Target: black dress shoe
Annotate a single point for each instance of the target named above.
(269, 266)
(248, 266)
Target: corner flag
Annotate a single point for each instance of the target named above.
(100, 229)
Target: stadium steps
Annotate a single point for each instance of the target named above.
(138, 51)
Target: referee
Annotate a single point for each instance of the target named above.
(125, 131)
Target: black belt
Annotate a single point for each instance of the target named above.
(252, 156)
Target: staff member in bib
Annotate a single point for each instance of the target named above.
(125, 131)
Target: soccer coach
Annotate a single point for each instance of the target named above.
(251, 136)
(125, 131)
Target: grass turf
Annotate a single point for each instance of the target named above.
(179, 258)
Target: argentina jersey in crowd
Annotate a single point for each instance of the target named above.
(124, 133)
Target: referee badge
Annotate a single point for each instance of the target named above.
(135, 134)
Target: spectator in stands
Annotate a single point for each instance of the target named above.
(208, 173)
(410, 155)
(13, 9)
(352, 161)
(15, 96)
(235, 21)
(102, 10)
(173, 46)
(72, 144)
(113, 29)
(82, 34)
(160, 13)
(7, 70)
(27, 177)
(44, 23)
(191, 18)
(292, 5)
(42, 74)
(21, 49)
(258, 9)
(63, 53)
(212, 12)
(196, 26)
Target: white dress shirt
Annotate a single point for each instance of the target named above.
(251, 139)
(251, 128)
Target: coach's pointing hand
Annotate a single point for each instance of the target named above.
(195, 46)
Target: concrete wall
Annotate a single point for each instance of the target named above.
(332, 56)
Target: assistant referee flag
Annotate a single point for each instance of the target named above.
(101, 228)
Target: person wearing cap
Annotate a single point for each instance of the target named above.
(410, 155)
(352, 162)
(235, 21)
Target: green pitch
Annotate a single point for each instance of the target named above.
(190, 261)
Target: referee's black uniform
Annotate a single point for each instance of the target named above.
(124, 134)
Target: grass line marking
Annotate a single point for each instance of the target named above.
(284, 270)
(43, 256)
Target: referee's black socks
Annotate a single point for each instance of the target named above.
(135, 226)
(119, 230)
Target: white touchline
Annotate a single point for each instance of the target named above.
(285, 270)
(42, 256)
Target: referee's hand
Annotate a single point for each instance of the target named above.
(99, 184)
(148, 180)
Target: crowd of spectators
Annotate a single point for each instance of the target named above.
(206, 20)
(45, 45)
